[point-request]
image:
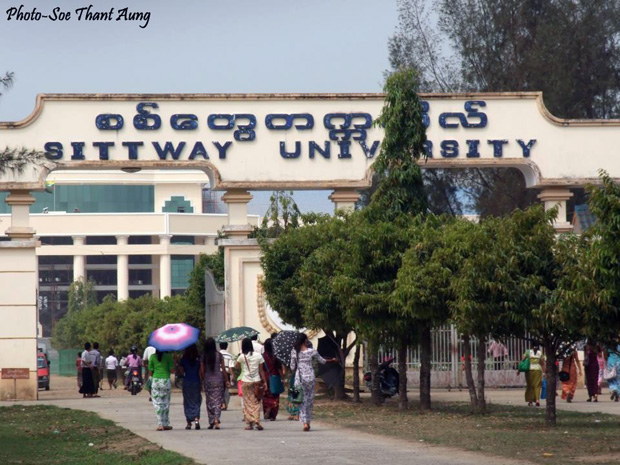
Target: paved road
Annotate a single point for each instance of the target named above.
(282, 442)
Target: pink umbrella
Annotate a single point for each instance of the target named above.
(175, 336)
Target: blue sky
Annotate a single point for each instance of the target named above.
(199, 46)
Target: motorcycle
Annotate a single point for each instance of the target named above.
(388, 378)
(135, 383)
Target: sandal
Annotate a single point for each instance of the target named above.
(306, 427)
(167, 428)
(189, 426)
(160, 428)
(211, 425)
(259, 427)
(217, 424)
(197, 424)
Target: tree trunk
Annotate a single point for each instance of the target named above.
(373, 359)
(356, 373)
(426, 345)
(340, 341)
(482, 353)
(402, 371)
(551, 374)
(469, 377)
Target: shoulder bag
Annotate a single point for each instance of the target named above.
(258, 386)
(295, 391)
(524, 365)
(610, 372)
(276, 387)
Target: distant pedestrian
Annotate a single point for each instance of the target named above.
(88, 367)
(271, 400)
(499, 352)
(215, 380)
(192, 398)
(97, 368)
(258, 347)
(161, 365)
(534, 376)
(572, 369)
(302, 357)
(133, 361)
(229, 363)
(590, 367)
(78, 367)
(613, 363)
(111, 365)
(600, 357)
(253, 380)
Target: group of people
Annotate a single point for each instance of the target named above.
(91, 367)
(256, 370)
(598, 365)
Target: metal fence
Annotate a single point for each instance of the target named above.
(66, 362)
(447, 361)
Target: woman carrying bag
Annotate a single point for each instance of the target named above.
(534, 375)
(301, 364)
(571, 367)
(253, 383)
(275, 372)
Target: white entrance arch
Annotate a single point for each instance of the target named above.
(265, 142)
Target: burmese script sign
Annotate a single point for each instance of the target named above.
(15, 373)
(306, 141)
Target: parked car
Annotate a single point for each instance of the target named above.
(43, 371)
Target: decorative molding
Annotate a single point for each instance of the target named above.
(268, 325)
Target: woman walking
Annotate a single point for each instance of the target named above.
(213, 375)
(571, 366)
(613, 362)
(301, 364)
(271, 400)
(590, 364)
(253, 381)
(534, 376)
(161, 365)
(192, 398)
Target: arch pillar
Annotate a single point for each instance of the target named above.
(237, 201)
(79, 260)
(557, 196)
(344, 199)
(20, 201)
(122, 269)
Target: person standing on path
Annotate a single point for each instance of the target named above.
(192, 398)
(161, 365)
(534, 376)
(111, 363)
(590, 363)
(213, 374)
(301, 363)
(229, 363)
(98, 367)
(88, 386)
(252, 379)
(273, 367)
(613, 362)
(572, 367)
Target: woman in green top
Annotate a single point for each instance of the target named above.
(160, 366)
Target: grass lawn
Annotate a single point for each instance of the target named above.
(515, 432)
(44, 435)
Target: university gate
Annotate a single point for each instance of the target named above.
(246, 142)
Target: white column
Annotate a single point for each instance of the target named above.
(237, 201)
(344, 199)
(122, 270)
(20, 201)
(557, 197)
(165, 286)
(79, 260)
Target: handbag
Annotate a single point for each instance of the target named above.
(524, 365)
(564, 376)
(259, 392)
(610, 373)
(543, 390)
(295, 392)
(276, 386)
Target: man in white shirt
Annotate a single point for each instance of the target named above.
(111, 363)
(229, 363)
(258, 347)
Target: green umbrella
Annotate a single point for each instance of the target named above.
(236, 334)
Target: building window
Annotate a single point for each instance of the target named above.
(177, 204)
